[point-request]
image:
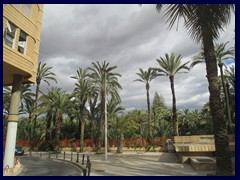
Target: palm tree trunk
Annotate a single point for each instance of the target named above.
(100, 132)
(30, 130)
(35, 118)
(120, 143)
(82, 134)
(231, 108)
(92, 131)
(149, 111)
(57, 134)
(223, 154)
(174, 109)
(48, 132)
(226, 99)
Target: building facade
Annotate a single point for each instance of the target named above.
(21, 41)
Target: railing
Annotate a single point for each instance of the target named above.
(67, 156)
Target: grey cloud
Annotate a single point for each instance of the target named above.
(128, 36)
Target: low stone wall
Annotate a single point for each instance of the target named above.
(125, 149)
(201, 145)
(203, 163)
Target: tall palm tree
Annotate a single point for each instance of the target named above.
(146, 77)
(106, 82)
(230, 87)
(204, 22)
(222, 54)
(81, 93)
(171, 66)
(45, 74)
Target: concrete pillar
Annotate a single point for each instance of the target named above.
(13, 122)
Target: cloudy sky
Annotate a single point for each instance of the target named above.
(128, 36)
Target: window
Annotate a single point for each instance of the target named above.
(10, 34)
(22, 42)
(27, 9)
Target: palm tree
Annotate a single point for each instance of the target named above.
(125, 123)
(146, 77)
(170, 66)
(104, 79)
(230, 87)
(56, 100)
(114, 109)
(222, 54)
(231, 76)
(26, 95)
(204, 22)
(92, 101)
(81, 93)
(45, 74)
(6, 99)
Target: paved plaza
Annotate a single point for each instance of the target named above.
(144, 164)
(132, 164)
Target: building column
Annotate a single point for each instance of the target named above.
(13, 122)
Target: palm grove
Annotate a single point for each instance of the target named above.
(57, 115)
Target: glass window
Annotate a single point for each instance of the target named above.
(22, 42)
(10, 34)
(27, 9)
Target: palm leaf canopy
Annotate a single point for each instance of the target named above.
(146, 76)
(212, 17)
(171, 65)
(222, 53)
(100, 72)
(44, 73)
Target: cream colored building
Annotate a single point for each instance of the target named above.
(21, 41)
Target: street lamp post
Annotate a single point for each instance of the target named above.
(105, 112)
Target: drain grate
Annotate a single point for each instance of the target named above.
(202, 160)
(100, 170)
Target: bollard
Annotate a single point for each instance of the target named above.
(41, 154)
(88, 162)
(83, 159)
(56, 155)
(77, 157)
(30, 153)
(89, 168)
(71, 155)
(49, 155)
(64, 155)
(84, 172)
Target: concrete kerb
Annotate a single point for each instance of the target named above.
(73, 163)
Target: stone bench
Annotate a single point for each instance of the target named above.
(201, 145)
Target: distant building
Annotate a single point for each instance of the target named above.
(21, 41)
